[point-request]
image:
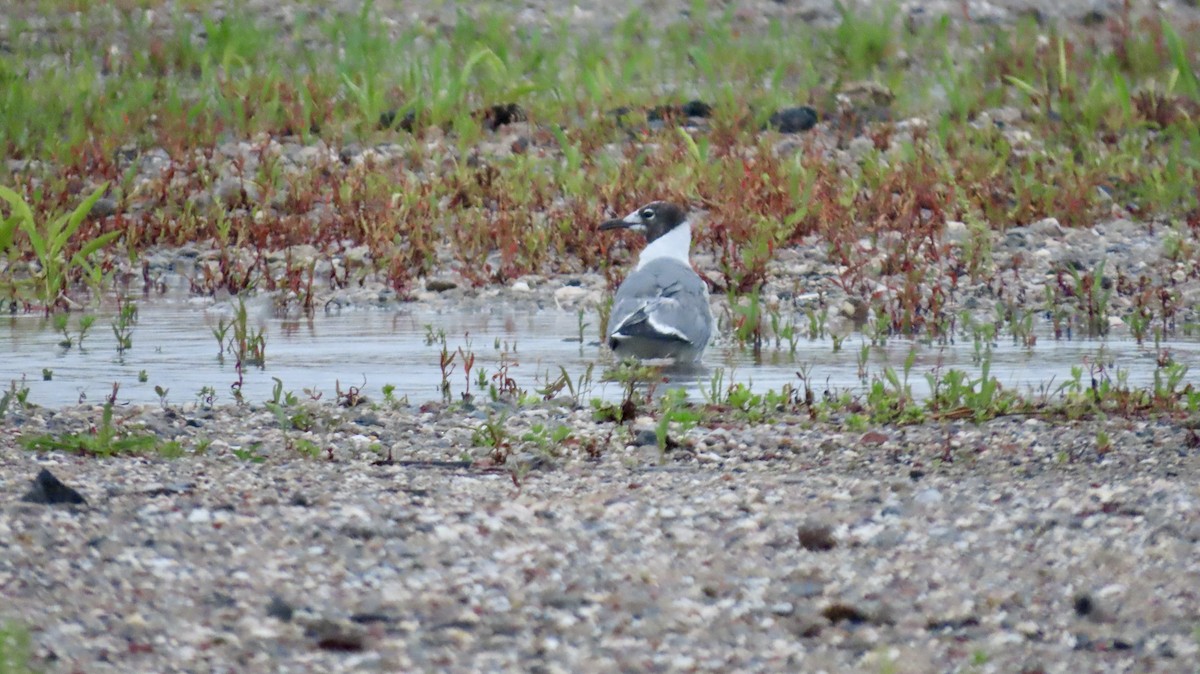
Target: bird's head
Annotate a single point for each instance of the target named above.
(653, 220)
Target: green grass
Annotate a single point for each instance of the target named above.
(106, 439)
(166, 89)
(333, 77)
(48, 241)
(16, 649)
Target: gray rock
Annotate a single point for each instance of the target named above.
(104, 207)
(955, 232)
(1047, 227)
(793, 120)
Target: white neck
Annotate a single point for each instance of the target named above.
(675, 244)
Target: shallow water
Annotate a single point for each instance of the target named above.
(174, 346)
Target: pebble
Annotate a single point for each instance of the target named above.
(793, 120)
(955, 232)
(199, 515)
(104, 207)
(928, 496)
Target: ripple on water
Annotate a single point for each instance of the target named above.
(173, 344)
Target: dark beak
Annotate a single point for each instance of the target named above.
(616, 224)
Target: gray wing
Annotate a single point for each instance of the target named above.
(664, 300)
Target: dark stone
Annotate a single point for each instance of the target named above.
(440, 286)
(645, 437)
(173, 489)
(337, 636)
(220, 600)
(358, 533)
(568, 601)
(951, 624)
(1083, 604)
(1086, 643)
(497, 116)
(369, 420)
(104, 207)
(666, 113)
(352, 150)
(387, 120)
(127, 153)
(693, 108)
(818, 537)
(836, 613)
(48, 490)
(507, 629)
(278, 608)
(463, 625)
(660, 112)
(793, 120)
(696, 108)
(544, 462)
(1015, 239)
(370, 617)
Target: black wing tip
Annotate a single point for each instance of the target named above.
(643, 330)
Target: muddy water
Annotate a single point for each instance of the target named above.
(174, 346)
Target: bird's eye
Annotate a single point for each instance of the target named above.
(647, 213)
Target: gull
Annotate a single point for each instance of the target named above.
(661, 310)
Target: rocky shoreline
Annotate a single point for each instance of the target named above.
(1014, 545)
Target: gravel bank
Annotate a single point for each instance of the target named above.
(1010, 546)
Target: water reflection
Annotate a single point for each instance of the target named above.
(174, 348)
